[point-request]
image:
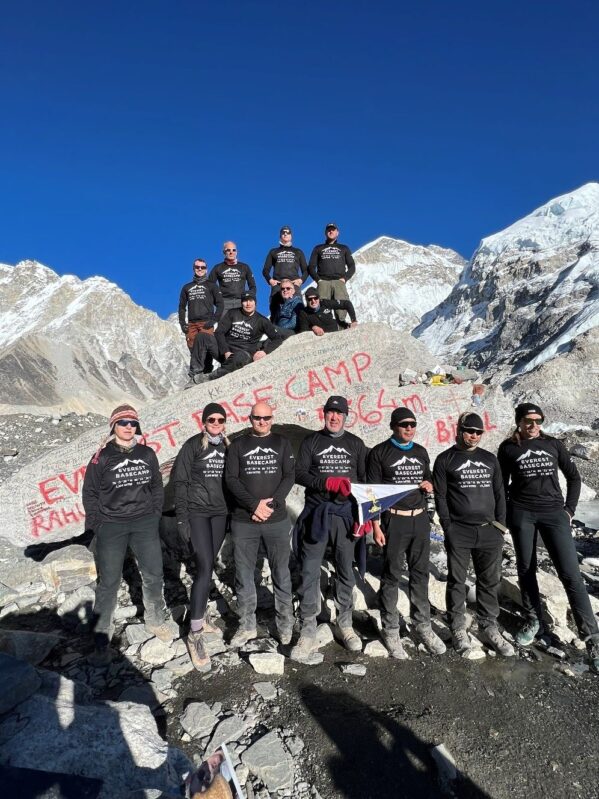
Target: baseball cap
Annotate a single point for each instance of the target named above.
(338, 404)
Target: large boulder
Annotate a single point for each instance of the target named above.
(363, 364)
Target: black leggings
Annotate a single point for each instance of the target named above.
(207, 536)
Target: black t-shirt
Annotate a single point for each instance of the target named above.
(388, 464)
(122, 484)
(531, 474)
(468, 487)
(330, 261)
(232, 279)
(198, 478)
(202, 300)
(286, 263)
(239, 332)
(325, 315)
(322, 455)
(258, 467)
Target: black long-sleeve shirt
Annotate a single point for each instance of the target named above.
(238, 331)
(325, 315)
(198, 478)
(122, 484)
(530, 472)
(232, 279)
(202, 300)
(286, 263)
(388, 464)
(331, 261)
(259, 467)
(468, 487)
(322, 455)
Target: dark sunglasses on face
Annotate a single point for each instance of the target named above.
(215, 420)
(287, 288)
(530, 422)
(261, 418)
(406, 424)
(199, 267)
(126, 423)
(230, 249)
(472, 431)
(313, 299)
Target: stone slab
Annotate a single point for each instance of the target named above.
(30, 646)
(270, 762)
(18, 680)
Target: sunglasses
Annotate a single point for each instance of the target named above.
(531, 422)
(313, 299)
(261, 418)
(215, 420)
(472, 431)
(126, 423)
(406, 424)
(230, 249)
(199, 268)
(285, 233)
(287, 288)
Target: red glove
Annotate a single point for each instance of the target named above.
(360, 530)
(338, 485)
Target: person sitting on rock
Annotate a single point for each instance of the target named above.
(259, 474)
(530, 462)
(123, 497)
(404, 530)
(286, 308)
(198, 479)
(319, 315)
(469, 498)
(237, 340)
(327, 463)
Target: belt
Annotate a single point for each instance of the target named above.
(416, 512)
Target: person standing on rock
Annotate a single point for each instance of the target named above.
(259, 474)
(530, 462)
(198, 478)
(470, 501)
(331, 266)
(284, 263)
(233, 277)
(328, 461)
(200, 308)
(123, 497)
(404, 530)
(319, 315)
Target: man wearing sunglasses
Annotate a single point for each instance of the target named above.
(285, 311)
(319, 315)
(331, 266)
(259, 474)
(284, 263)
(404, 530)
(470, 502)
(531, 462)
(233, 277)
(200, 308)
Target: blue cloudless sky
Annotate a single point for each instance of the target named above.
(138, 136)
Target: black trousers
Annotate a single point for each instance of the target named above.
(554, 528)
(484, 544)
(409, 536)
(207, 536)
(312, 554)
(204, 349)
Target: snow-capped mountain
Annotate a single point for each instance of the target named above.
(397, 282)
(529, 292)
(81, 345)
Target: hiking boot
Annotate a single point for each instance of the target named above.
(349, 639)
(189, 384)
(284, 635)
(241, 638)
(200, 378)
(434, 645)
(593, 650)
(394, 645)
(461, 642)
(527, 634)
(210, 629)
(305, 646)
(494, 640)
(165, 630)
(197, 652)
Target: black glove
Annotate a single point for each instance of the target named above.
(184, 329)
(184, 529)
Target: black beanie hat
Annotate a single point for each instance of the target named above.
(525, 408)
(312, 292)
(213, 407)
(471, 420)
(400, 414)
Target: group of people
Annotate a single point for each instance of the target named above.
(242, 485)
(217, 309)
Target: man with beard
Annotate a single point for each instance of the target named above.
(328, 461)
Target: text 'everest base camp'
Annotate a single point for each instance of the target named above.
(391, 651)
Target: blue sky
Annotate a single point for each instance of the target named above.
(138, 136)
